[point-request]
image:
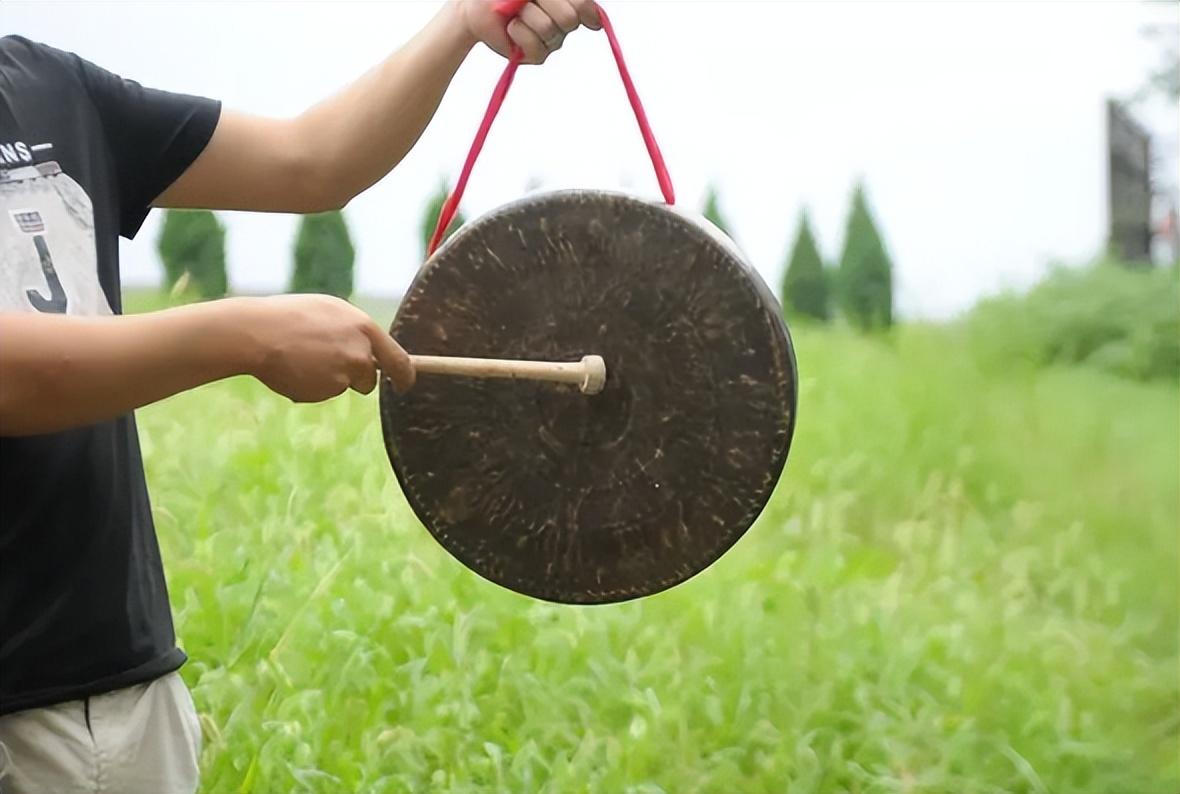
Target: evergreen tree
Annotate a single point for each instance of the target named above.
(805, 282)
(193, 242)
(324, 255)
(430, 217)
(865, 278)
(712, 211)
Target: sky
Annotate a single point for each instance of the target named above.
(978, 127)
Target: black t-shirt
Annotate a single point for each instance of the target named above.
(83, 153)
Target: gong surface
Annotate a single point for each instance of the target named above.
(580, 498)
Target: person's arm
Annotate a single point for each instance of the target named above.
(59, 372)
(323, 158)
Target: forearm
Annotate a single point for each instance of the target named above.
(58, 372)
(363, 132)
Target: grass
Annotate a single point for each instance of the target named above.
(965, 583)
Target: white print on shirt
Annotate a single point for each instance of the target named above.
(48, 259)
(15, 153)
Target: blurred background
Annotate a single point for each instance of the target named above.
(968, 579)
(982, 132)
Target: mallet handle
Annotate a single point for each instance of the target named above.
(589, 374)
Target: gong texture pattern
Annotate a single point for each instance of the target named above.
(592, 499)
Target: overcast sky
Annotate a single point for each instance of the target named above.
(978, 126)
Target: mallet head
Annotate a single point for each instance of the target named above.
(595, 377)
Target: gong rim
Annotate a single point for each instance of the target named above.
(782, 344)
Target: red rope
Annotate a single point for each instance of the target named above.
(509, 9)
(649, 138)
(451, 204)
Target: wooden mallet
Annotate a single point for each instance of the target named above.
(589, 374)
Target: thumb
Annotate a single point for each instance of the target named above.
(393, 361)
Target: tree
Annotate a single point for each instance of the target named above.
(324, 255)
(430, 217)
(805, 283)
(1164, 79)
(712, 211)
(865, 278)
(192, 242)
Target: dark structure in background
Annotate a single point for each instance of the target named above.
(1129, 235)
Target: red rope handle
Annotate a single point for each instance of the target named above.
(649, 138)
(509, 9)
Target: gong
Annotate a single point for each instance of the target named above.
(592, 495)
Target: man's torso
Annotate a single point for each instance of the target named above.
(83, 603)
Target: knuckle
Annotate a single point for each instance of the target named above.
(517, 30)
(567, 19)
(539, 24)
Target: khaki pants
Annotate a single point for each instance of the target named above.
(141, 740)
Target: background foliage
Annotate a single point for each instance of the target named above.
(1120, 319)
(430, 217)
(864, 283)
(806, 291)
(192, 250)
(324, 255)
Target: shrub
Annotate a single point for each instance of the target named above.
(430, 217)
(805, 282)
(324, 255)
(192, 242)
(865, 278)
(712, 211)
(1123, 320)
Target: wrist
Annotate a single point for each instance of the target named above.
(243, 344)
(452, 23)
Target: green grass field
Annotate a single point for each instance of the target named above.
(965, 583)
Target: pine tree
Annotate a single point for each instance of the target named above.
(712, 211)
(865, 279)
(193, 242)
(805, 282)
(430, 217)
(324, 255)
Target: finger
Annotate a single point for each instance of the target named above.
(542, 24)
(588, 13)
(562, 13)
(536, 26)
(495, 36)
(363, 374)
(500, 44)
(529, 42)
(394, 362)
(339, 386)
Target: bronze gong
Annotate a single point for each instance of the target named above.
(592, 498)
